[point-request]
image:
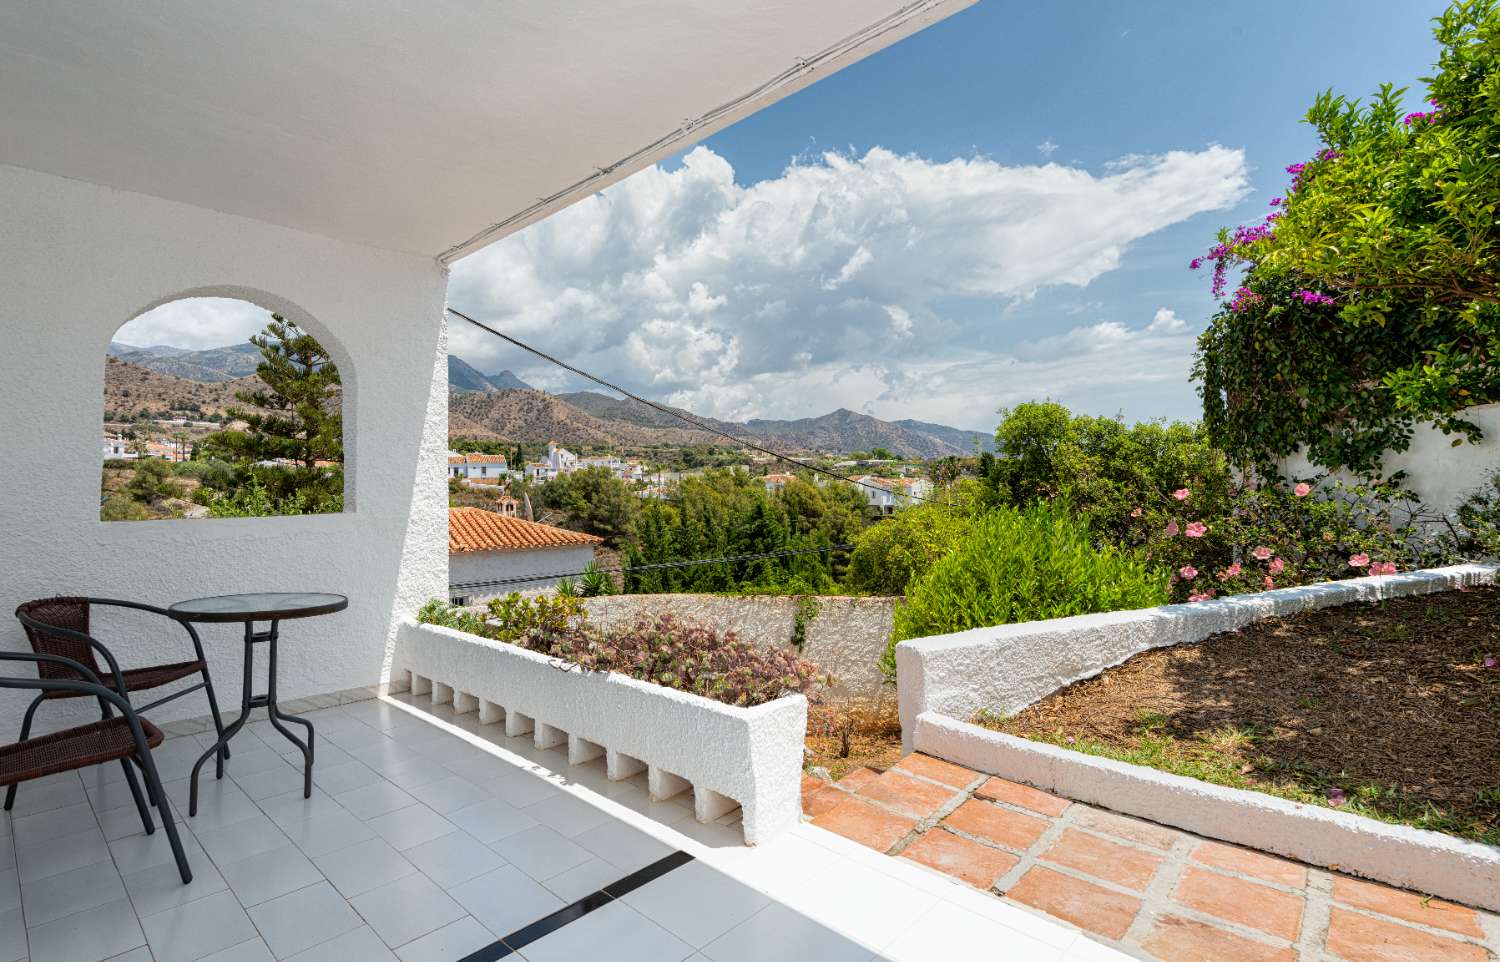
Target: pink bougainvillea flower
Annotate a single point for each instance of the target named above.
(1383, 568)
(1172, 529)
(1181, 494)
(1188, 572)
(1277, 566)
(1196, 529)
(1359, 560)
(1230, 572)
(1261, 553)
(1302, 490)
(1136, 513)
(1337, 797)
(1268, 582)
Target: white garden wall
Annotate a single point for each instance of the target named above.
(76, 262)
(1005, 668)
(1442, 474)
(727, 755)
(465, 567)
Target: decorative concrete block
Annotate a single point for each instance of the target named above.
(752, 756)
(546, 736)
(489, 712)
(709, 805)
(664, 785)
(582, 750)
(441, 694)
(463, 702)
(620, 766)
(420, 684)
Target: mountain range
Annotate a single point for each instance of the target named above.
(504, 407)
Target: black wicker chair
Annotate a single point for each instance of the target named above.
(126, 738)
(60, 627)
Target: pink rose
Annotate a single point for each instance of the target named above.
(1188, 572)
(1172, 529)
(1181, 494)
(1277, 566)
(1359, 560)
(1268, 582)
(1302, 490)
(1196, 529)
(1261, 553)
(1136, 513)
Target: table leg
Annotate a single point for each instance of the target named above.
(277, 718)
(233, 729)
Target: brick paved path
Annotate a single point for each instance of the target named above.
(1154, 892)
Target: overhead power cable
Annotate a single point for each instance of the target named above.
(684, 417)
(459, 587)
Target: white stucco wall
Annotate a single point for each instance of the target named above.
(1444, 475)
(76, 262)
(472, 566)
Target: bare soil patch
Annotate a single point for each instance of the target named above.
(850, 734)
(1387, 709)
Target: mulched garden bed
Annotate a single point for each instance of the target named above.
(1389, 709)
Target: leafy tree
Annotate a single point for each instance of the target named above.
(595, 500)
(1393, 224)
(152, 482)
(297, 414)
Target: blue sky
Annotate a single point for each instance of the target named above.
(1007, 212)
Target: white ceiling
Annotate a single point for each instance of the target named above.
(428, 126)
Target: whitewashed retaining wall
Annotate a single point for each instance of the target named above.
(727, 755)
(945, 680)
(1008, 667)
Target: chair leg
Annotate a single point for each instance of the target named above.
(140, 800)
(213, 709)
(10, 793)
(153, 783)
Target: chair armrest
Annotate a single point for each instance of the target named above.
(93, 688)
(46, 629)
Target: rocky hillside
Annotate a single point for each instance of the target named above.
(537, 416)
(208, 366)
(130, 389)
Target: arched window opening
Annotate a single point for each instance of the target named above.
(216, 407)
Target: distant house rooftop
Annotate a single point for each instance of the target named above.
(475, 529)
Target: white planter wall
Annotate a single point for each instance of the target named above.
(727, 755)
(945, 680)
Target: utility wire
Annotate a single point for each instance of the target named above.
(681, 416)
(655, 566)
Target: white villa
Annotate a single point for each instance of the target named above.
(885, 495)
(491, 555)
(477, 467)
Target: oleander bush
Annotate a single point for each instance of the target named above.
(662, 649)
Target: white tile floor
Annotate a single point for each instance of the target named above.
(429, 836)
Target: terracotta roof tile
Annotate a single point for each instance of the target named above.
(474, 529)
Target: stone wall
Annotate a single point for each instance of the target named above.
(845, 637)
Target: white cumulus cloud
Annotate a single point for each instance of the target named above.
(879, 282)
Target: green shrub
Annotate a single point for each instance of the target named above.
(1024, 564)
(896, 551)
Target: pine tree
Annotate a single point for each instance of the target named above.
(297, 415)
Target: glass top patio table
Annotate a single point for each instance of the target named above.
(258, 606)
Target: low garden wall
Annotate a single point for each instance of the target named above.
(944, 681)
(843, 636)
(728, 756)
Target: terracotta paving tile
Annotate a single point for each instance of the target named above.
(1175, 939)
(937, 770)
(998, 825)
(979, 865)
(811, 783)
(1104, 859)
(1406, 905)
(1086, 905)
(1247, 862)
(1143, 833)
(816, 803)
(1359, 938)
(854, 780)
(1251, 904)
(910, 795)
(866, 824)
(1023, 796)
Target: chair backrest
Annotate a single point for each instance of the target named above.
(68, 613)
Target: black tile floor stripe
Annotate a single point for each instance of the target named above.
(522, 937)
